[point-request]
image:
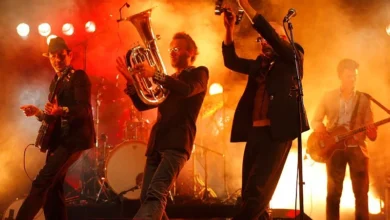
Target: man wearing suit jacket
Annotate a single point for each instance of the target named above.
(351, 109)
(73, 132)
(172, 136)
(266, 117)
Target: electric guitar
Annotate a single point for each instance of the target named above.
(321, 149)
(48, 123)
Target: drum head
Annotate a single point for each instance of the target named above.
(125, 167)
(13, 210)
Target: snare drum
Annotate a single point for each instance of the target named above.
(13, 210)
(125, 167)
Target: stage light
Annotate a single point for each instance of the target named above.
(374, 204)
(23, 29)
(388, 29)
(68, 29)
(215, 89)
(44, 29)
(90, 26)
(49, 38)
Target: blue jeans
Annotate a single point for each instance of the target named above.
(161, 171)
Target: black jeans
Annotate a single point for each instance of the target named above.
(161, 171)
(47, 188)
(358, 169)
(263, 163)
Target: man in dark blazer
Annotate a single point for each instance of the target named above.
(73, 132)
(267, 116)
(172, 137)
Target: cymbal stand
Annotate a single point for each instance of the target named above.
(96, 195)
(101, 180)
(206, 193)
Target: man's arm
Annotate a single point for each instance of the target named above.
(233, 62)
(319, 115)
(261, 25)
(371, 131)
(196, 83)
(82, 95)
(230, 58)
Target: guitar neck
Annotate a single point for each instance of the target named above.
(361, 129)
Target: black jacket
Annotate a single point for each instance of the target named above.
(76, 129)
(175, 127)
(283, 107)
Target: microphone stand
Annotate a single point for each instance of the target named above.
(299, 92)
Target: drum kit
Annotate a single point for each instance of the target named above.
(109, 171)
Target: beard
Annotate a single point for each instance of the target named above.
(267, 50)
(179, 62)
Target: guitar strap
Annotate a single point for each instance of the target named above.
(354, 114)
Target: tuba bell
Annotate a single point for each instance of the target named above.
(149, 91)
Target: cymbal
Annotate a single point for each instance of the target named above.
(104, 89)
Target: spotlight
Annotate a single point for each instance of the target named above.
(49, 38)
(388, 30)
(90, 26)
(215, 89)
(23, 29)
(44, 29)
(67, 29)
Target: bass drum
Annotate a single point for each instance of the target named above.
(13, 210)
(125, 168)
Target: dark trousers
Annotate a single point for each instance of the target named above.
(263, 163)
(161, 171)
(358, 169)
(47, 188)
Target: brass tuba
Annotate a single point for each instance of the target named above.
(149, 91)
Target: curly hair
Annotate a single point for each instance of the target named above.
(191, 45)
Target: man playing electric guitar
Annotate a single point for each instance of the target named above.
(349, 109)
(73, 131)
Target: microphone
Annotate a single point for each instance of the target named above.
(120, 11)
(291, 13)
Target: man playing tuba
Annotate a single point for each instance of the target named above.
(172, 136)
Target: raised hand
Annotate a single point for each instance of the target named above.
(144, 69)
(229, 19)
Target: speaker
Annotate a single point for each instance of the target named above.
(290, 214)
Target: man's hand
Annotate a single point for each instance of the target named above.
(229, 19)
(242, 3)
(53, 108)
(30, 110)
(249, 11)
(144, 69)
(321, 131)
(122, 69)
(371, 132)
